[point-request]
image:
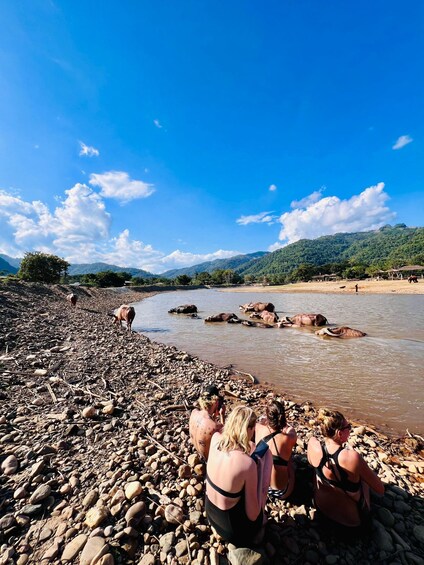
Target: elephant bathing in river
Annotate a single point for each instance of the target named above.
(342, 332)
(224, 317)
(184, 309)
(303, 320)
(265, 316)
(257, 307)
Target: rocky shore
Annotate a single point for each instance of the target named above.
(96, 463)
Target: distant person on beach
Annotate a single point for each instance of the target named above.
(342, 477)
(236, 482)
(281, 438)
(206, 421)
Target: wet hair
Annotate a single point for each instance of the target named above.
(331, 421)
(276, 414)
(234, 434)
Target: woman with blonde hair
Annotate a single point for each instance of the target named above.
(281, 439)
(342, 477)
(237, 483)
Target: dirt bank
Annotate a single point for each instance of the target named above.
(96, 460)
(342, 287)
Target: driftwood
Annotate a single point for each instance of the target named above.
(251, 377)
(162, 447)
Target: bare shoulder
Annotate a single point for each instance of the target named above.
(290, 431)
(350, 458)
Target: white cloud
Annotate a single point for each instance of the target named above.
(272, 187)
(330, 215)
(402, 141)
(262, 218)
(118, 185)
(158, 124)
(308, 200)
(78, 230)
(179, 259)
(276, 245)
(88, 151)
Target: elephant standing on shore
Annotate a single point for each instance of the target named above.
(301, 320)
(342, 332)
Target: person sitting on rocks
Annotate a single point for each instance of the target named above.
(206, 421)
(281, 439)
(342, 477)
(236, 483)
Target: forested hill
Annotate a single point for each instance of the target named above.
(88, 268)
(6, 267)
(235, 263)
(387, 247)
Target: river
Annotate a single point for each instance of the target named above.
(377, 379)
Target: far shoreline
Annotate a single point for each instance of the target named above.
(338, 287)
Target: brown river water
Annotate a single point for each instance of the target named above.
(377, 379)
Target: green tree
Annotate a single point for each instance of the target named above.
(41, 267)
(202, 278)
(183, 280)
(110, 278)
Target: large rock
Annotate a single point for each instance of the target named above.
(95, 516)
(135, 514)
(10, 465)
(74, 547)
(133, 489)
(244, 556)
(95, 548)
(42, 492)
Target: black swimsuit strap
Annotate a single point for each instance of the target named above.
(277, 460)
(343, 482)
(222, 491)
(270, 436)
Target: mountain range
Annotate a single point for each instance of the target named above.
(387, 246)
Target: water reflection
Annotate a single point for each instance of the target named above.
(378, 378)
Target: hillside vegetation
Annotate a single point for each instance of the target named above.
(235, 263)
(382, 249)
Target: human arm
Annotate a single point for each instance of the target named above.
(369, 476)
(252, 500)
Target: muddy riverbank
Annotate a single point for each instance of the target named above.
(96, 465)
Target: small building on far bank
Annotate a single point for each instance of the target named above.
(407, 270)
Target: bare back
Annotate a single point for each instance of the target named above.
(201, 429)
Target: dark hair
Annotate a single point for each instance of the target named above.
(276, 414)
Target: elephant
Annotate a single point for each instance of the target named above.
(224, 317)
(342, 332)
(267, 317)
(184, 309)
(257, 307)
(255, 324)
(303, 320)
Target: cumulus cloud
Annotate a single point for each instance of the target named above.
(272, 187)
(262, 218)
(118, 185)
(330, 215)
(88, 151)
(402, 141)
(179, 259)
(78, 230)
(308, 200)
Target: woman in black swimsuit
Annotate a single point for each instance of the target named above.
(236, 485)
(342, 477)
(281, 439)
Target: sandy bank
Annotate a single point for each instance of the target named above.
(96, 458)
(341, 287)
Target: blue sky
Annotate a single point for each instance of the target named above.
(162, 134)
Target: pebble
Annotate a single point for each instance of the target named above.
(74, 547)
(95, 516)
(94, 549)
(42, 492)
(133, 489)
(10, 465)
